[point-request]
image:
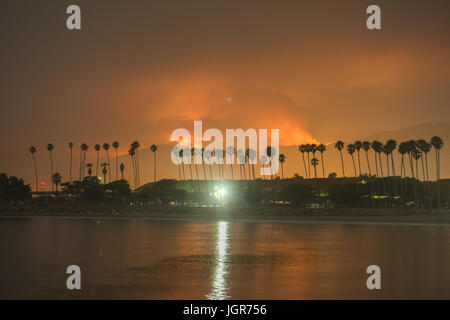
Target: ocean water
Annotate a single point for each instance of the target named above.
(163, 259)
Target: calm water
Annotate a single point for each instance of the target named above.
(145, 259)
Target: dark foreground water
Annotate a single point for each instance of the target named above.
(145, 259)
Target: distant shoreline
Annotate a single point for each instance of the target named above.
(412, 217)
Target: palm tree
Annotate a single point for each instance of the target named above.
(366, 148)
(247, 160)
(392, 147)
(136, 145)
(340, 145)
(282, 158)
(84, 149)
(104, 171)
(251, 159)
(106, 148)
(181, 154)
(116, 145)
(377, 147)
(153, 147)
(97, 148)
(322, 148)
(385, 150)
(50, 149)
(437, 144)
(230, 152)
(315, 162)
(240, 155)
(89, 166)
(425, 147)
(351, 151)
(308, 149)
(70, 167)
(358, 145)
(122, 169)
(302, 149)
(411, 147)
(270, 154)
(203, 163)
(56, 179)
(402, 149)
(33, 151)
(131, 152)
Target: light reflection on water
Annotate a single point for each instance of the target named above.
(219, 279)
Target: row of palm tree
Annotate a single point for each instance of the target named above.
(87, 167)
(412, 151)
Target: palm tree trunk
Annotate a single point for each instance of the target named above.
(35, 173)
(81, 163)
(98, 158)
(231, 170)
(51, 169)
(376, 163)
(354, 165)
(304, 164)
(423, 169)
(204, 170)
(117, 165)
(253, 171)
(154, 170)
(282, 171)
(342, 162)
(426, 164)
(359, 164)
(70, 166)
(323, 165)
(368, 163)
(392, 164)
(109, 165)
(309, 167)
(240, 170)
(381, 164)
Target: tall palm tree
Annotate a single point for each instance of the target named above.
(203, 163)
(116, 145)
(33, 151)
(247, 160)
(308, 149)
(56, 179)
(391, 147)
(89, 166)
(230, 152)
(154, 148)
(377, 147)
(315, 162)
(385, 150)
(97, 148)
(270, 154)
(358, 146)
(402, 149)
(411, 147)
(104, 171)
(132, 153)
(181, 154)
(425, 147)
(70, 166)
(122, 169)
(302, 149)
(340, 145)
(50, 149)
(351, 151)
(136, 145)
(437, 144)
(251, 159)
(322, 148)
(106, 148)
(84, 149)
(366, 148)
(282, 159)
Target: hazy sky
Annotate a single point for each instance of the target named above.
(139, 69)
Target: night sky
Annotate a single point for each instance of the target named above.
(139, 69)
